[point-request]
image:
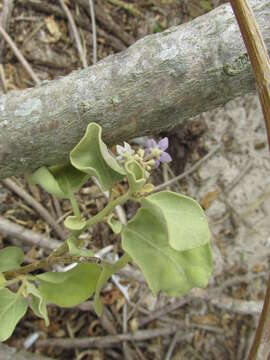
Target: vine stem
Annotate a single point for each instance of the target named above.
(59, 255)
(107, 210)
(257, 52)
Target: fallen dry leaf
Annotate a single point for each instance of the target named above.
(53, 28)
(208, 199)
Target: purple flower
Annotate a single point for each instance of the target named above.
(158, 150)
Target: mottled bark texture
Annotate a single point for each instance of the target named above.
(157, 83)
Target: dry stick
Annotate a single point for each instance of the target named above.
(163, 311)
(8, 228)
(172, 346)
(261, 67)
(104, 18)
(128, 7)
(214, 296)
(75, 33)
(110, 340)
(19, 55)
(94, 31)
(37, 206)
(189, 171)
(3, 78)
(81, 21)
(5, 17)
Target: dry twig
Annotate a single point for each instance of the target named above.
(110, 340)
(8, 228)
(128, 7)
(35, 205)
(104, 18)
(5, 16)
(75, 33)
(189, 171)
(94, 31)
(19, 55)
(81, 21)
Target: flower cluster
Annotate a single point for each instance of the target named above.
(157, 150)
(151, 157)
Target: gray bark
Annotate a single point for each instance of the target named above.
(157, 83)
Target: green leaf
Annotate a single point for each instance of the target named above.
(185, 220)
(38, 304)
(91, 156)
(74, 223)
(11, 258)
(46, 180)
(69, 288)
(114, 224)
(54, 179)
(107, 272)
(74, 249)
(135, 175)
(145, 239)
(12, 309)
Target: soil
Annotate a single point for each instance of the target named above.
(233, 186)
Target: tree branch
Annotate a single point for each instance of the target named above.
(159, 82)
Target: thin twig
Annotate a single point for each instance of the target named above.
(172, 346)
(94, 30)
(128, 7)
(189, 171)
(104, 18)
(37, 206)
(8, 228)
(80, 20)
(125, 345)
(19, 56)
(247, 167)
(75, 33)
(110, 340)
(163, 311)
(3, 78)
(214, 296)
(5, 17)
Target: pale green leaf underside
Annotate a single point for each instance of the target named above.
(114, 224)
(74, 249)
(135, 175)
(11, 258)
(185, 220)
(174, 272)
(70, 288)
(53, 179)
(91, 156)
(12, 309)
(74, 223)
(38, 303)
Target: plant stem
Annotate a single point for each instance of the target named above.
(122, 262)
(43, 264)
(58, 255)
(107, 210)
(72, 199)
